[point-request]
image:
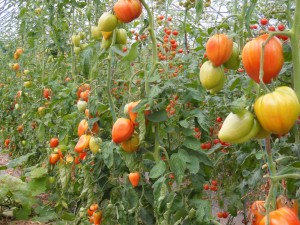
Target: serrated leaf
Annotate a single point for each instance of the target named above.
(38, 172)
(38, 186)
(184, 123)
(191, 143)
(178, 166)
(155, 91)
(133, 53)
(19, 161)
(158, 116)
(157, 170)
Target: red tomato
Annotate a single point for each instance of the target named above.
(206, 187)
(214, 182)
(273, 58)
(54, 142)
(53, 158)
(282, 216)
(126, 11)
(218, 49)
(122, 130)
(47, 93)
(271, 28)
(264, 21)
(281, 27)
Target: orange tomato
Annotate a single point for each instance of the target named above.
(83, 143)
(257, 212)
(97, 217)
(132, 115)
(218, 49)
(53, 158)
(283, 201)
(122, 130)
(82, 127)
(132, 144)
(53, 142)
(134, 178)
(126, 11)
(282, 216)
(273, 58)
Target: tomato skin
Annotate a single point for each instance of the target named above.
(282, 216)
(54, 142)
(53, 158)
(132, 144)
(257, 212)
(134, 178)
(82, 127)
(47, 93)
(132, 115)
(122, 130)
(239, 127)
(83, 143)
(234, 61)
(273, 58)
(219, 49)
(283, 201)
(278, 111)
(107, 22)
(121, 37)
(97, 217)
(128, 10)
(211, 76)
(264, 21)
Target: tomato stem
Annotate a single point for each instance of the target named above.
(295, 49)
(154, 47)
(108, 81)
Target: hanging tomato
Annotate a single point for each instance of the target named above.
(278, 111)
(273, 58)
(122, 130)
(128, 10)
(282, 216)
(219, 49)
(257, 212)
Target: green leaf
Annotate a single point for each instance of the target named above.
(178, 166)
(155, 91)
(38, 186)
(38, 172)
(108, 153)
(239, 104)
(68, 216)
(19, 161)
(133, 53)
(22, 213)
(157, 170)
(288, 170)
(199, 8)
(192, 143)
(158, 116)
(184, 123)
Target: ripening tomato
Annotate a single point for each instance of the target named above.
(132, 144)
(47, 93)
(53, 158)
(122, 130)
(219, 49)
(283, 201)
(83, 126)
(271, 28)
(54, 142)
(273, 58)
(278, 111)
(282, 216)
(97, 217)
(134, 178)
(234, 61)
(83, 143)
(107, 22)
(128, 10)
(280, 27)
(132, 115)
(211, 76)
(257, 212)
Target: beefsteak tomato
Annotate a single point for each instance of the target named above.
(282, 216)
(278, 111)
(273, 58)
(128, 10)
(219, 49)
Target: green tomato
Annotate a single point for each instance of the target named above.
(234, 61)
(81, 105)
(51, 180)
(239, 127)
(107, 22)
(121, 37)
(94, 144)
(211, 76)
(23, 142)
